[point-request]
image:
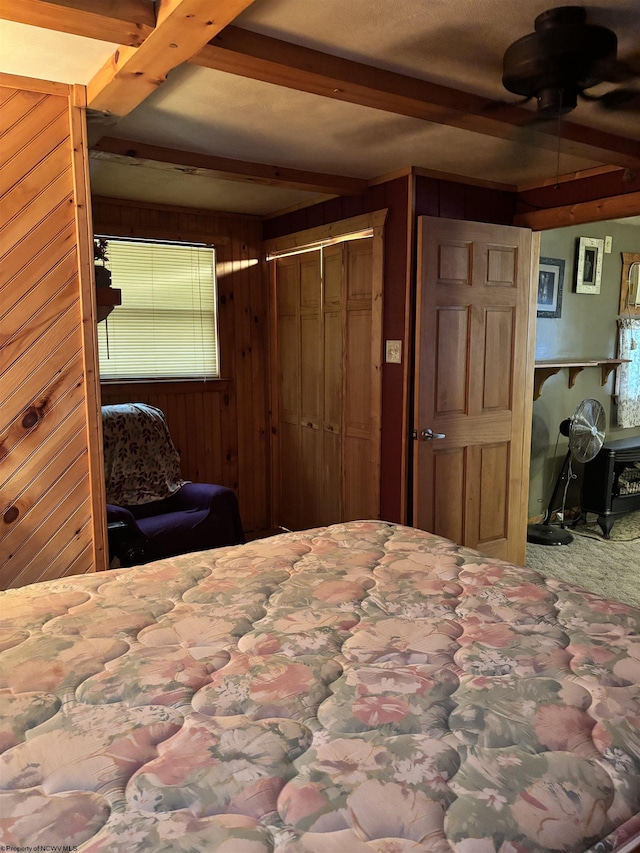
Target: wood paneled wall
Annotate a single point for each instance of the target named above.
(199, 421)
(52, 520)
(219, 427)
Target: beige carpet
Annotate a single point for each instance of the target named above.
(610, 568)
(626, 528)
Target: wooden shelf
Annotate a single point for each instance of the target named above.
(545, 369)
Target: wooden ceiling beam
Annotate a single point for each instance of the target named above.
(249, 54)
(613, 207)
(126, 22)
(191, 163)
(183, 27)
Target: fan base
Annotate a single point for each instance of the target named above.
(545, 534)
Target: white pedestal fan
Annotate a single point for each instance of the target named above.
(585, 430)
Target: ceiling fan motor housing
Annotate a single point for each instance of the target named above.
(564, 56)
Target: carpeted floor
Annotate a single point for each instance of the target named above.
(610, 568)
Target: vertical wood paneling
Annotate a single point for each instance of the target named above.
(47, 512)
(219, 427)
(194, 413)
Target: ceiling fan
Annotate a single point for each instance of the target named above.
(565, 57)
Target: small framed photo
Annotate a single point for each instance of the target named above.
(550, 281)
(589, 265)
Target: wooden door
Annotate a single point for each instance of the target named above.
(328, 382)
(473, 384)
(52, 510)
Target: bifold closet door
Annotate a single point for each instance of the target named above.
(328, 335)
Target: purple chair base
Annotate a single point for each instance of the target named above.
(198, 517)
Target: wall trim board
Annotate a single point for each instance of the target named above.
(84, 231)
(311, 236)
(46, 87)
(169, 386)
(168, 235)
(421, 172)
(173, 208)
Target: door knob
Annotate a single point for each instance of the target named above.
(429, 434)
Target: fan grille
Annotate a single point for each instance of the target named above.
(586, 430)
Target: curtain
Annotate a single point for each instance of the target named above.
(629, 373)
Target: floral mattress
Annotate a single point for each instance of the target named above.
(361, 688)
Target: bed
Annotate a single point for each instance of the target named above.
(359, 688)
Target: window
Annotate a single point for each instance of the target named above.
(628, 389)
(166, 326)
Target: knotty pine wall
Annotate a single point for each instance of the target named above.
(220, 426)
(52, 520)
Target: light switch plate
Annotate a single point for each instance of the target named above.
(607, 245)
(394, 352)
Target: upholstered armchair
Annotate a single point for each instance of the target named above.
(152, 513)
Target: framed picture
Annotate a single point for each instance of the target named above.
(589, 265)
(550, 281)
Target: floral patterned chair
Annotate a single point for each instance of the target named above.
(152, 513)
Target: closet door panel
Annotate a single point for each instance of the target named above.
(289, 368)
(310, 284)
(333, 359)
(332, 276)
(289, 479)
(332, 479)
(357, 398)
(360, 487)
(328, 344)
(361, 386)
(359, 270)
(311, 372)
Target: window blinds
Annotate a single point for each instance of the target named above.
(166, 326)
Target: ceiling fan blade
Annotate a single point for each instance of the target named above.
(623, 99)
(621, 72)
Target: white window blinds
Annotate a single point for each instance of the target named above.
(166, 326)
